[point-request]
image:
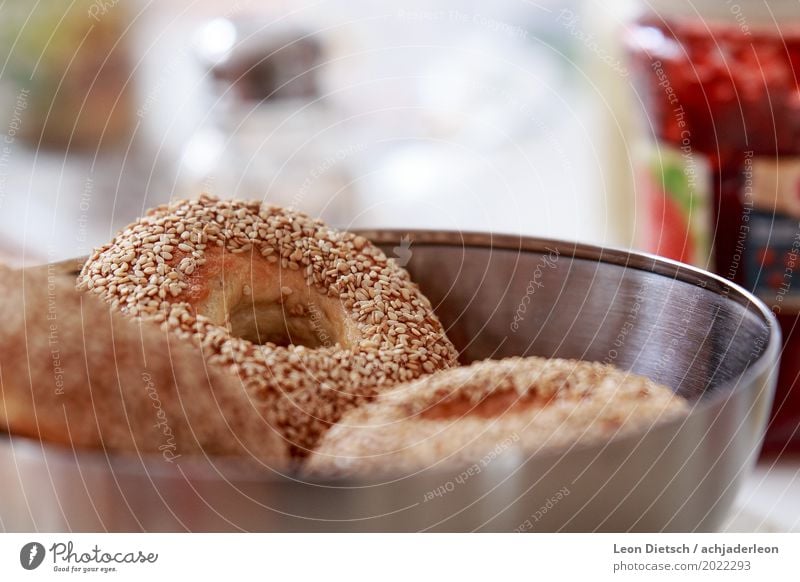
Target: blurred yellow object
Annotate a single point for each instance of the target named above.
(71, 64)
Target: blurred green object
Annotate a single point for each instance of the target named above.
(71, 63)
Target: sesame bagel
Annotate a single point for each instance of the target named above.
(314, 321)
(457, 416)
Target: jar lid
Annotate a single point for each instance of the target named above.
(257, 62)
(744, 13)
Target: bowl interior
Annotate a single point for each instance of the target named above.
(505, 296)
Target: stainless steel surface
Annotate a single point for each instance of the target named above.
(709, 340)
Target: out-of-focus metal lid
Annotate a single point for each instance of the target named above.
(749, 13)
(260, 61)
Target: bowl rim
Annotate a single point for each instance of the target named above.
(196, 466)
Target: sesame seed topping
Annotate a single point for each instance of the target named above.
(160, 266)
(458, 415)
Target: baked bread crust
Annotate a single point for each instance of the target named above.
(248, 282)
(455, 417)
(74, 372)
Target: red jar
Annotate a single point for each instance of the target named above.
(719, 181)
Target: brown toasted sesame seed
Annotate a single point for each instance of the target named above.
(454, 415)
(147, 279)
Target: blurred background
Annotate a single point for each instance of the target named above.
(448, 114)
(509, 116)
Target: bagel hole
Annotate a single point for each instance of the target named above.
(492, 405)
(262, 322)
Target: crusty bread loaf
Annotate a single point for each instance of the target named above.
(461, 415)
(76, 373)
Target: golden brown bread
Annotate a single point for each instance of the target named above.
(469, 414)
(73, 372)
(315, 321)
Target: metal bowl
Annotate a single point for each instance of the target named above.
(498, 296)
